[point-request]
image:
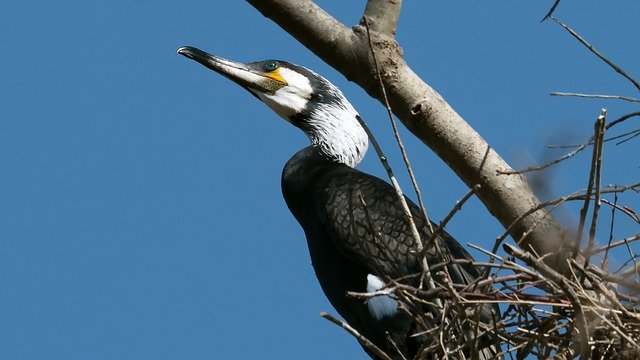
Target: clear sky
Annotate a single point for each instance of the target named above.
(140, 206)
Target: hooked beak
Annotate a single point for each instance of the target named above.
(254, 80)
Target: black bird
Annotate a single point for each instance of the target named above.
(324, 192)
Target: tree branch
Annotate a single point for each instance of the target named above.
(383, 15)
(426, 114)
(596, 96)
(550, 13)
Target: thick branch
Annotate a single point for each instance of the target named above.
(383, 15)
(427, 115)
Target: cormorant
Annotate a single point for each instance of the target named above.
(324, 192)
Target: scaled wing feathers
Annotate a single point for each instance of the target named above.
(377, 236)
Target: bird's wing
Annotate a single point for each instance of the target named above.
(377, 236)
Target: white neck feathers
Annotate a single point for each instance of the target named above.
(334, 128)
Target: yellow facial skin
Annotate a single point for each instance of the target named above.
(275, 75)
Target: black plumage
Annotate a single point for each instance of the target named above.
(328, 200)
(356, 230)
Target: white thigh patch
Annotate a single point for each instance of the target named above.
(381, 305)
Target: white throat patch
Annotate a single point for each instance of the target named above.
(290, 99)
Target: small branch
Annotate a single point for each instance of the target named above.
(396, 133)
(548, 164)
(517, 268)
(605, 258)
(592, 185)
(550, 13)
(597, 53)
(578, 148)
(622, 118)
(632, 135)
(445, 221)
(598, 284)
(628, 135)
(412, 225)
(596, 96)
(363, 340)
(625, 272)
(624, 209)
(476, 297)
(579, 195)
(562, 282)
(555, 203)
(636, 237)
(633, 270)
(403, 201)
(382, 15)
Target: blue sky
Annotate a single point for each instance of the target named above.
(140, 206)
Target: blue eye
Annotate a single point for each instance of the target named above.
(270, 65)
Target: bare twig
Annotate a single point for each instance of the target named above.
(596, 96)
(578, 195)
(553, 8)
(624, 209)
(396, 133)
(625, 134)
(550, 163)
(615, 67)
(633, 134)
(593, 185)
(363, 340)
(414, 230)
(403, 201)
(636, 237)
(578, 148)
(445, 221)
(605, 258)
(622, 118)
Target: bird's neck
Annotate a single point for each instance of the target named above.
(300, 176)
(335, 130)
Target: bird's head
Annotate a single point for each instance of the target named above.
(300, 96)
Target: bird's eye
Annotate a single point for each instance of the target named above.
(271, 65)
